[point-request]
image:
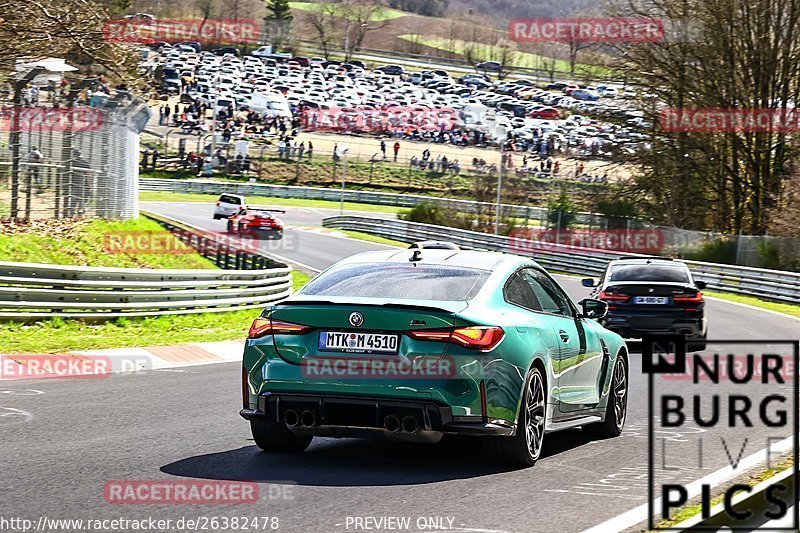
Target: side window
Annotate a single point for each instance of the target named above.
(518, 291)
(552, 299)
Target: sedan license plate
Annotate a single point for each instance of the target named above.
(344, 341)
(650, 300)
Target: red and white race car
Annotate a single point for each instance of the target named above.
(254, 221)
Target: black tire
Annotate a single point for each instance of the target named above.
(276, 438)
(696, 345)
(525, 447)
(216, 217)
(617, 408)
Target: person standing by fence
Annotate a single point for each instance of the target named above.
(396, 149)
(35, 159)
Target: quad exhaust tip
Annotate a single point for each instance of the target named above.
(291, 418)
(308, 419)
(410, 424)
(391, 424)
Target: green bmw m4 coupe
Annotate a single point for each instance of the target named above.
(412, 345)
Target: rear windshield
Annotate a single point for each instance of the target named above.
(230, 199)
(668, 273)
(405, 282)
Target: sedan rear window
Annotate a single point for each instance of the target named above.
(666, 273)
(405, 282)
(230, 199)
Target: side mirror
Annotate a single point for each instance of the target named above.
(589, 282)
(593, 308)
(700, 284)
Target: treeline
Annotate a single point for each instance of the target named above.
(718, 54)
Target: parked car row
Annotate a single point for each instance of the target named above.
(519, 107)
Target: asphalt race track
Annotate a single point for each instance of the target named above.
(60, 445)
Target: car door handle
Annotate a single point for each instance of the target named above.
(563, 335)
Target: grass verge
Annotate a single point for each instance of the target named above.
(372, 238)
(57, 335)
(147, 196)
(84, 243)
(486, 52)
(789, 309)
(381, 14)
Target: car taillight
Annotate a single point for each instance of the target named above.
(482, 338)
(688, 298)
(264, 326)
(217, 203)
(610, 296)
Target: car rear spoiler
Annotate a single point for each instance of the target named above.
(255, 208)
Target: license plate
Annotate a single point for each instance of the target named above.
(346, 341)
(650, 300)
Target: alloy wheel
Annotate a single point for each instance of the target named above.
(535, 415)
(620, 389)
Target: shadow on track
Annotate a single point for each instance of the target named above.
(344, 462)
(355, 462)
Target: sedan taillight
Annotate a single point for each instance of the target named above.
(612, 297)
(483, 338)
(688, 298)
(264, 326)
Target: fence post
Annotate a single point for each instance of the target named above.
(14, 136)
(739, 247)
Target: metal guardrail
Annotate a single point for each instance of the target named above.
(774, 285)
(32, 291)
(320, 193)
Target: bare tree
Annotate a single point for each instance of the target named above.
(506, 56)
(324, 25)
(73, 29)
(746, 58)
(359, 18)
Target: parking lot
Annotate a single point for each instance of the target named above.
(268, 97)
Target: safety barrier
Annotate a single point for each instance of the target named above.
(775, 285)
(249, 279)
(335, 195)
